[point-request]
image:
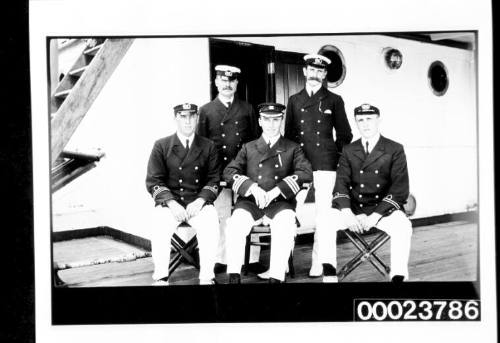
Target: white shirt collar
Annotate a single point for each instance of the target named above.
(225, 100)
(371, 142)
(313, 89)
(273, 139)
(183, 138)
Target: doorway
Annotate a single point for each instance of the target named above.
(256, 81)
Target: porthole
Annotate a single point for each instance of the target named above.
(392, 58)
(336, 70)
(438, 78)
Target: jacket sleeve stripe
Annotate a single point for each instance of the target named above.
(392, 202)
(340, 195)
(158, 190)
(238, 182)
(292, 184)
(212, 189)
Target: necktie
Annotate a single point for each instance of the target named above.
(269, 144)
(367, 151)
(187, 144)
(311, 94)
(228, 104)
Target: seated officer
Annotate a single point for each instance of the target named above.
(182, 177)
(267, 173)
(370, 191)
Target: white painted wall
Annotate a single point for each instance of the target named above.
(135, 108)
(439, 133)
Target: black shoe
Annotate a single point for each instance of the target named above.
(256, 268)
(273, 280)
(398, 279)
(234, 278)
(220, 268)
(329, 270)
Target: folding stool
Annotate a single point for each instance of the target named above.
(263, 230)
(183, 251)
(367, 250)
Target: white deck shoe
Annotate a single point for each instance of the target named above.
(330, 279)
(316, 270)
(160, 283)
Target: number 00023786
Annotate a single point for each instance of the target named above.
(416, 310)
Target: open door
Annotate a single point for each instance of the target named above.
(256, 82)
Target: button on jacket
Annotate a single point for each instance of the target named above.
(310, 121)
(229, 127)
(375, 183)
(283, 165)
(174, 173)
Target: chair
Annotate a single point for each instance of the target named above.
(367, 250)
(264, 231)
(183, 251)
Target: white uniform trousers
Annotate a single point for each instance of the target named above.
(324, 181)
(206, 225)
(223, 205)
(396, 225)
(283, 229)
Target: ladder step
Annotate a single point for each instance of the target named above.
(94, 50)
(62, 94)
(77, 72)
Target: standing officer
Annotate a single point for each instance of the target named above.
(183, 177)
(229, 122)
(371, 188)
(314, 117)
(267, 173)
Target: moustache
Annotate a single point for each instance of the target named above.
(228, 88)
(314, 78)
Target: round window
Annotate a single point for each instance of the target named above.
(335, 70)
(438, 78)
(393, 58)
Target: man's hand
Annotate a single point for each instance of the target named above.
(180, 214)
(372, 220)
(272, 194)
(260, 196)
(362, 220)
(351, 221)
(195, 207)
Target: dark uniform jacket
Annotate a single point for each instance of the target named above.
(374, 183)
(174, 173)
(229, 127)
(309, 122)
(283, 165)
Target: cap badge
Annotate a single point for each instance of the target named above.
(186, 106)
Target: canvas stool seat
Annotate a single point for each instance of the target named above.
(367, 250)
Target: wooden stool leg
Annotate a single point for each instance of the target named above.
(291, 268)
(247, 255)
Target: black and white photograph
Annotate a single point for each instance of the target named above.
(261, 175)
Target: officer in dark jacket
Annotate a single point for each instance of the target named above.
(183, 178)
(267, 173)
(371, 188)
(229, 122)
(316, 119)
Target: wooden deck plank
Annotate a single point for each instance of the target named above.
(442, 252)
